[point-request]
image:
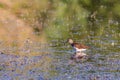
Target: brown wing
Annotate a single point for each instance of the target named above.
(80, 46)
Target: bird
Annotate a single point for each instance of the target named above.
(79, 49)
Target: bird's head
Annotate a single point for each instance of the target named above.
(70, 41)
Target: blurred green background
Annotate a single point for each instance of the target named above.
(45, 20)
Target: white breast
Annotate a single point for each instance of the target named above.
(79, 50)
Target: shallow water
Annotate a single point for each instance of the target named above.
(52, 62)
